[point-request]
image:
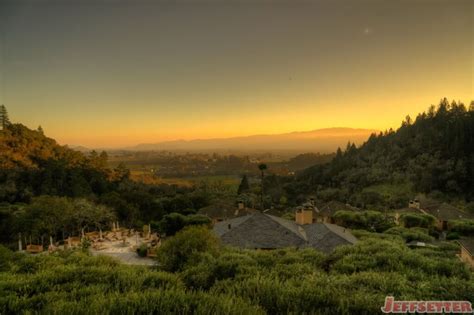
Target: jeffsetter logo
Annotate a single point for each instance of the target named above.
(444, 307)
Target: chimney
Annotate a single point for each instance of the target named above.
(304, 216)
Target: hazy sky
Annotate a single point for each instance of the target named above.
(115, 73)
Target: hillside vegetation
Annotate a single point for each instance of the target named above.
(195, 275)
(433, 154)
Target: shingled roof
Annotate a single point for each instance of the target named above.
(446, 212)
(265, 231)
(224, 211)
(331, 207)
(468, 244)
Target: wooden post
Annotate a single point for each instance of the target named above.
(20, 245)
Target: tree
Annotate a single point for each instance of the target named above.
(40, 130)
(262, 167)
(89, 215)
(244, 185)
(4, 120)
(121, 173)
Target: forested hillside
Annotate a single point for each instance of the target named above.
(48, 189)
(32, 164)
(432, 154)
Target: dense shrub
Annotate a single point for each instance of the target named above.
(462, 227)
(142, 250)
(374, 221)
(185, 247)
(212, 280)
(411, 234)
(5, 257)
(417, 220)
(174, 222)
(452, 236)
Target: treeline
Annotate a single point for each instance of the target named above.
(433, 154)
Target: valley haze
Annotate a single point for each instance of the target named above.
(320, 140)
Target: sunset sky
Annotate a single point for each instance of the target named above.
(116, 73)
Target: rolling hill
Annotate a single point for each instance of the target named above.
(321, 140)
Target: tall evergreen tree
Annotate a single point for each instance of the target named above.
(262, 167)
(244, 185)
(4, 120)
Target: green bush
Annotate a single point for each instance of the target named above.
(185, 248)
(142, 250)
(417, 220)
(6, 256)
(213, 280)
(411, 234)
(452, 236)
(174, 222)
(462, 227)
(374, 221)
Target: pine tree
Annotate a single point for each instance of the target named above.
(244, 185)
(4, 120)
(40, 130)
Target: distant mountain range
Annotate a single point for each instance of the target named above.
(320, 140)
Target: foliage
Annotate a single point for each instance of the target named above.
(4, 120)
(368, 220)
(434, 153)
(85, 244)
(185, 248)
(244, 185)
(411, 234)
(452, 236)
(350, 280)
(48, 189)
(58, 216)
(417, 220)
(142, 250)
(462, 227)
(174, 222)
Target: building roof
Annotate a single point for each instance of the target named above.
(224, 211)
(265, 231)
(468, 244)
(331, 207)
(444, 211)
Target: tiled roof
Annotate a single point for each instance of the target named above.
(468, 244)
(224, 211)
(264, 231)
(332, 207)
(446, 212)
